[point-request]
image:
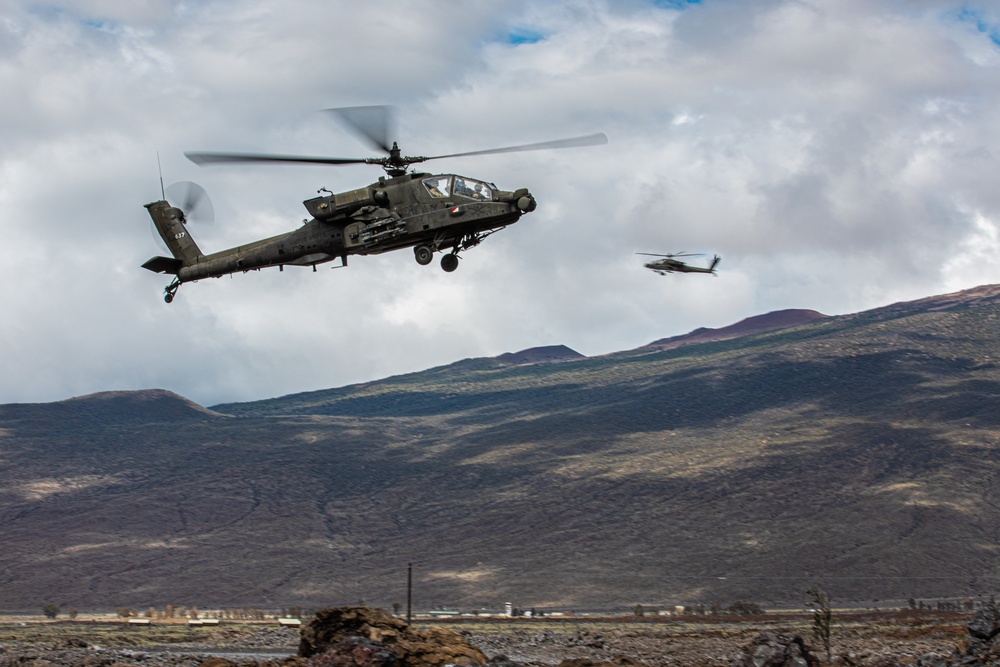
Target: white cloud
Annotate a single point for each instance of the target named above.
(838, 155)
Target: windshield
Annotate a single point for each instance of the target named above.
(439, 186)
(466, 187)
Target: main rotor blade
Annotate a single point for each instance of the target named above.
(598, 139)
(371, 122)
(228, 158)
(682, 253)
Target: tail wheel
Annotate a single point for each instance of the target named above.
(449, 262)
(171, 289)
(423, 254)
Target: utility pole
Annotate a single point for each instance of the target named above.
(409, 593)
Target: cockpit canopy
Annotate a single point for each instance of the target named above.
(459, 186)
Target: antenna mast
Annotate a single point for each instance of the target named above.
(163, 191)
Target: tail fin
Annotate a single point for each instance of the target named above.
(170, 223)
(715, 263)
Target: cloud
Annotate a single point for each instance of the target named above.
(839, 156)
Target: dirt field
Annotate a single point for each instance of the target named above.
(858, 640)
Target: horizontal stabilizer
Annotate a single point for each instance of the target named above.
(163, 265)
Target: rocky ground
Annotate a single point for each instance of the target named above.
(855, 643)
(874, 640)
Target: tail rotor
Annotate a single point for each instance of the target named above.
(193, 200)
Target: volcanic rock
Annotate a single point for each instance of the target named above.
(983, 647)
(985, 624)
(503, 661)
(770, 649)
(355, 652)
(433, 647)
(617, 661)
(94, 660)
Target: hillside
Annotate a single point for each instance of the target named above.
(781, 319)
(537, 355)
(857, 453)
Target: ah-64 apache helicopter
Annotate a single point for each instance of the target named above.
(431, 213)
(670, 264)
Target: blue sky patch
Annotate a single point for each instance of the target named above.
(675, 4)
(97, 24)
(524, 36)
(980, 20)
(54, 13)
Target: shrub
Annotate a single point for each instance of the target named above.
(50, 609)
(744, 608)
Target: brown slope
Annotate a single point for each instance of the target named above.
(984, 295)
(779, 319)
(537, 355)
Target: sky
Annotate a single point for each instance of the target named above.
(839, 155)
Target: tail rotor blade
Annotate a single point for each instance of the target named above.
(193, 200)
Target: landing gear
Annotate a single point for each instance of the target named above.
(449, 262)
(423, 254)
(171, 290)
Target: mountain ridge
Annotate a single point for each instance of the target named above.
(856, 452)
(144, 405)
(773, 321)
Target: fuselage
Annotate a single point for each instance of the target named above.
(440, 211)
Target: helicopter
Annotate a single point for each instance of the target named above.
(670, 264)
(446, 213)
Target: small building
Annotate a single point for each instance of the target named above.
(139, 621)
(289, 622)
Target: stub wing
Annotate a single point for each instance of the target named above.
(163, 265)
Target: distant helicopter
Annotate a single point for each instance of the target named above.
(431, 213)
(670, 263)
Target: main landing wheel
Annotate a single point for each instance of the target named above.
(449, 262)
(423, 254)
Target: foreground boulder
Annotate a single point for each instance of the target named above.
(983, 646)
(325, 642)
(617, 661)
(355, 652)
(985, 625)
(770, 649)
